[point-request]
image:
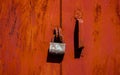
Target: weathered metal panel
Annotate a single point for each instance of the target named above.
(26, 30)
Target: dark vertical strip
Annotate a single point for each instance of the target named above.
(77, 50)
(61, 68)
(76, 35)
(60, 13)
(76, 40)
(61, 28)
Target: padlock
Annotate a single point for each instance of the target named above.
(57, 47)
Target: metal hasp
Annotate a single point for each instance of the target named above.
(78, 21)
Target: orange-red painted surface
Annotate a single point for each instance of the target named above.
(26, 29)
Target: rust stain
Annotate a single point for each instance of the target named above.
(118, 9)
(13, 27)
(97, 24)
(100, 67)
(98, 12)
(116, 66)
(95, 34)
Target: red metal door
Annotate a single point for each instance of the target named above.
(26, 29)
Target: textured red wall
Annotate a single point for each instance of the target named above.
(26, 30)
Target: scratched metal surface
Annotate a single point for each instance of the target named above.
(26, 30)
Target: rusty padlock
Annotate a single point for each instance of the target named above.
(57, 46)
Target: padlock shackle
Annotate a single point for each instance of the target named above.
(57, 36)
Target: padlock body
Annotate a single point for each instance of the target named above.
(57, 48)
